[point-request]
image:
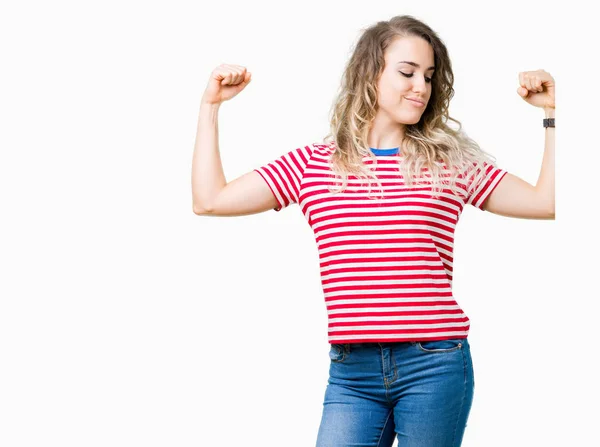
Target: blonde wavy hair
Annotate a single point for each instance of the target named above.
(427, 143)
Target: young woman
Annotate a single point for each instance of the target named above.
(383, 193)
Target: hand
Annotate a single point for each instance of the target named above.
(537, 88)
(225, 82)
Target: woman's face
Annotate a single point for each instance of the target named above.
(402, 80)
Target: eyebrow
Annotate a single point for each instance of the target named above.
(414, 64)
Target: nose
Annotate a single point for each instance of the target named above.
(419, 85)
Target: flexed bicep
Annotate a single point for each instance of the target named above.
(247, 194)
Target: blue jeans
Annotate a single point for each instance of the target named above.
(419, 391)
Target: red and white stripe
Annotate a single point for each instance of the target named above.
(386, 263)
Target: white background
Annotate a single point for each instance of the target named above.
(127, 320)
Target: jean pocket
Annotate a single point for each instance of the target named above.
(440, 346)
(337, 352)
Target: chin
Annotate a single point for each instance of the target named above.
(412, 119)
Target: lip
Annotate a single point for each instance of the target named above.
(416, 102)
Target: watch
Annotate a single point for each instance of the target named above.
(548, 122)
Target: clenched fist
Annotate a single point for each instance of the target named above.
(226, 81)
(537, 88)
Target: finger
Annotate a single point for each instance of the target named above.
(543, 75)
(227, 78)
(238, 76)
(533, 81)
(241, 71)
(528, 83)
(523, 92)
(221, 76)
(244, 74)
(241, 74)
(532, 86)
(232, 72)
(523, 80)
(538, 84)
(235, 77)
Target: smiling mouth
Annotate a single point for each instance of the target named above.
(416, 103)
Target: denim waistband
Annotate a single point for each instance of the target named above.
(384, 343)
(378, 344)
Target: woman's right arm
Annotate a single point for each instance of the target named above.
(211, 193)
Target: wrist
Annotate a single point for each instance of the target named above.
(549, 112)
(210, 106)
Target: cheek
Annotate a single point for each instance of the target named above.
(392, 94)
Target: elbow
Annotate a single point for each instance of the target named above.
(200, 206)
(201, 210)
(551, 213)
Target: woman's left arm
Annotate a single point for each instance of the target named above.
(513, 196)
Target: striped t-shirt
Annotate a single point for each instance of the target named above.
(386, 263)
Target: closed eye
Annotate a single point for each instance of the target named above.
(411, 75)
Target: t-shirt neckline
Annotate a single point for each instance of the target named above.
(392, 151)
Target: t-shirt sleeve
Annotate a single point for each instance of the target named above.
(284, 175)
(479, 188)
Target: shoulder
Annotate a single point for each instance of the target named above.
(323, 150)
